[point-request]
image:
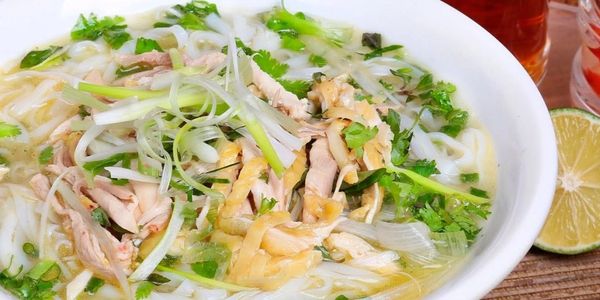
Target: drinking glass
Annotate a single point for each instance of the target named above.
(585, 76)
(521, 25)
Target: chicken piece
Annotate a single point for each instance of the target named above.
(333, 92)
(209, 60)
(90, 253)
(278, 96)
(143, 78)
(156, 218)
(291, 239)
(153, 58)
(229, 154)
(95, 76)
(380, 262)
(318, 185)
(348, 245)
(368, 112)
(122, 192)
(249, 174)
(272, 187)
(339, 150)
(146, 193)
(322, 171)
(40, 185)
(62, 130)
(115, 208)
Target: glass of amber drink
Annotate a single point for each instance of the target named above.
(521, 25)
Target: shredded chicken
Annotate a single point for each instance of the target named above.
(333, 92)
(153, 58)
(278, 96)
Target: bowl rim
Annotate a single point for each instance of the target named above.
(508, 254)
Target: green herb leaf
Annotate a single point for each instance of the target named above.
(3, 160)
(169, 260)
(9, 130)
(143, 290)
(93, 285)
(269, 64)
(371, 40)
(365, 180)
(100, 216)
(37, 57)
(34, 285)
(46, 155)
(266, 205)
(30, 249)
(143, 45)
(206, 269)
(479, 193)
(380, 51)
(317, 60)
(91, 28)
(292, 43)
(123, 71)
(324, 252)
(157, 279)
(341, 297)
(404, 73)
(192, 22)
(357, 134)
(457, 121)
(469, 177)
(424, 167)
(96, 167)
(425, 82)
(298, 87)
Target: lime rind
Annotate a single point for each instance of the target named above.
(578, 249)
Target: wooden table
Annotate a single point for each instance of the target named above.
(543, 275)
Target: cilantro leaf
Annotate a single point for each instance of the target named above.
(191, 14)
(469, 177)
(206, 269)
(404, 73)
(143, 290)
(9, 130)
(380, 51)
(341, 297)
(317, 60)
(269, 64)
(292, 43)
(371, 40)
(46, 155)
(36, 284)
(298, 87)
(191, 21)
(37, 57)
(93, 285)
(91, 28)
(100, 216)
(424, 167)
(143, 45)
(457, 121)
(266, 205)
(431, 217)
(357, 134)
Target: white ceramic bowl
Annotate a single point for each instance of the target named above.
(489, 79)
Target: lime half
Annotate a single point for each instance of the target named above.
(573, 224)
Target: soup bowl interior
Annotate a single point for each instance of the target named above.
(491, 84)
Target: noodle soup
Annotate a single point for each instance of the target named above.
(200, 154)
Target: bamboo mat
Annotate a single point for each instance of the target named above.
(542, 275)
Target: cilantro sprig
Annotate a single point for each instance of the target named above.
(112, 29)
